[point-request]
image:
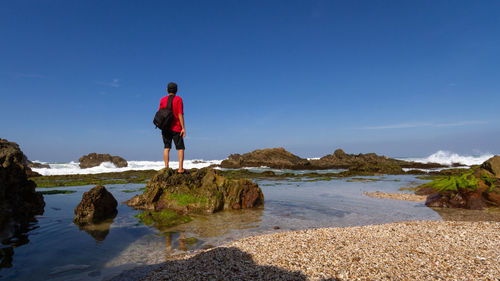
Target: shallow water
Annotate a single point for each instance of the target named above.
(59, 250)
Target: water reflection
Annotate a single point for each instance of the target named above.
(457, 214)
(98, 231)
(219, 223)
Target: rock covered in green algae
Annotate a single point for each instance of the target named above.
(97, 205)
(198, 191)
(476, 188)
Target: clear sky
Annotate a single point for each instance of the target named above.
(400, 78)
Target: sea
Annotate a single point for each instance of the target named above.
(124, 249)
(69, 168)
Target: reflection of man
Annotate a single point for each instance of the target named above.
(176, 130)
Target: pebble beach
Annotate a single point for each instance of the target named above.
(412, 250)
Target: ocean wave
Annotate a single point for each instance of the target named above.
(448, 158)
(72, 168)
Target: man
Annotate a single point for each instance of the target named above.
(176, 130)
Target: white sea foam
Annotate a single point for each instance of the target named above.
(72, 168)
(448, 158)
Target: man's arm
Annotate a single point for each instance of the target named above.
(183, 131)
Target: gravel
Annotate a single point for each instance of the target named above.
(413, 250)
(397, 196)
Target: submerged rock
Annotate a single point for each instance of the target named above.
(97, 205)
(277, 158)
(169, 196)
(19, 202)
(94, 160)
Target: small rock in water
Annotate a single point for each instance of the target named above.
(276, 227)
(97, 205)
(68, 267)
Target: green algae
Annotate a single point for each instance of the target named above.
(132, 176)
(454, 183)
(50, 192)
(183, 199)
(190, 240)
(134, 190)
(164, 218)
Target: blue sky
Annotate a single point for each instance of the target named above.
(400, 78)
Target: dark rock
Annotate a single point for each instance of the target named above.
(277, 158)
(492, 165)
(201, 191)
(94, 160)
(37, 165)
(19, 202)
(369, 161)
(97, 205)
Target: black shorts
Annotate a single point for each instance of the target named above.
(168, 135)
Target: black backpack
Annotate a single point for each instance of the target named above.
(164, 116)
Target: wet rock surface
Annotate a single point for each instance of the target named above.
(19, 202)
(97, 205)
(196, 191)
(94, 160)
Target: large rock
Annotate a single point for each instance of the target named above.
(202, 191)
(19, 202)
(341, 160)
(277, 158)
(492, 165)
(474, 189)
(97, 205)
(94, 160)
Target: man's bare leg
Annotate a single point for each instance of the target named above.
(181, 161)
(166, 153)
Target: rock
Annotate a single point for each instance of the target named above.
(492, 165)
(196, 191)
(367, 162)
(97, 205)
(473, 189)
(277, 158)
(37, 165)
(19, 202)
(94, 160)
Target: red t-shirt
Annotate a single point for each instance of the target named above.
(177, 109)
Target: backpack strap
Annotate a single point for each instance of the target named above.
(169, 102)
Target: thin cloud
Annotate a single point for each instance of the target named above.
(115, 83)
(422, 125)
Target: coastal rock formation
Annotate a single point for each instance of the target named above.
(19, 202)
(94, 160)
(97, 205)
(199, 191)
(476, 188)
(341, 160)
(37, 165)
(277, 158)
(492, 165)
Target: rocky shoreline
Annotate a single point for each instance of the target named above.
(279, 158)
(414, 250)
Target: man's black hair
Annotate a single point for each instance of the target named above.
(172, 88)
